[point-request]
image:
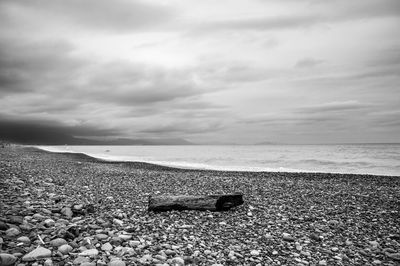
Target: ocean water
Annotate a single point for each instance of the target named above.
(377, 159)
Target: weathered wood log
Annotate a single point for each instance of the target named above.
(183, 202)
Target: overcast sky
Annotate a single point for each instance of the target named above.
(290, 71)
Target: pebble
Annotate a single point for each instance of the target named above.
(65, 249)
(12, 232)
(288, 237)
(89, 252)
(117, 262)
(24, 239)
(49, 222)
(322, 263)
(394, 256)
(107, 247)
(7, 259)
(255, 253)
(58, 242)
(178, 261)
(38, 253)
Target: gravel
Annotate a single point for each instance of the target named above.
(70, 209)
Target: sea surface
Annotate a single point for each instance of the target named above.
(377, 159)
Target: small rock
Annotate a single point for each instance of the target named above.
(394, 256)
(7, 259)
(3, 226)
(89, 252)
(81, 260)
(48, 262)
(65, 249)
(12, 232)
(288, 237)
(58, 242)
(87, 263)
(67, 212)
(38, 253)
(49, 222)
(322, 263)
(24, 239)
(107, 247)
(178, 261)
(101, 236)
(118, 222)
(117, 262)
(255, 253)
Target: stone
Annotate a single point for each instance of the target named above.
(117, 262)
(288, 237)
(7, 259)
(322, 263)
(38, 253)
(81, 260)
(101, 236)
(116, 241)
(118, 222)
(65, 249)
(107, 247)
(15, 219)
(48, 262)
(58, 242)
(178, 261)
(38, 216)
(3, 226)
(66, 211)
(49, 222)
(394, 256)
(86, 263)
(24, 239)
(12, 232)
(255, 253)
(315, 237)
(89, 252)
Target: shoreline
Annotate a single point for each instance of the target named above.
(99, 209)
(102, 160)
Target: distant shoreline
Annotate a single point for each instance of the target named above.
(148, 165)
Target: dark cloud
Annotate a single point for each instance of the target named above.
(103, 15)
(46, 132)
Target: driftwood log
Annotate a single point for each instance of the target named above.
(207, 202)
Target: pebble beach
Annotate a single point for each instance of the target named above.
(71, 209)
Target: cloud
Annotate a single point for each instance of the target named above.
(47, 132)
(101, 15)
(308, 63)
(343, 106)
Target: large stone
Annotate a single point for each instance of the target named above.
(107, 247)
(24, 239)
(38, 253)
(67, 212)
(7, 259)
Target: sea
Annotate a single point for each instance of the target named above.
(376, 159)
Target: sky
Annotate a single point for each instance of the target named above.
(210, 72)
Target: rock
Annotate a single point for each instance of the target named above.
(58, 242)
(255, 253)
(65, 249)
(107, 247)
(101, 237)
(67, 212)
(116, 241)
(178, 261)
(125, 237)
(288, 237)
(48, 262)
(24, 239)
(12, 232)
(38, 216)
(88, 263)
(49, 222)
(38, 253)
(315, 237)
(7, 259)
(118, 222)
(3, 226)
(81, 260)
(117, 262)
(16, 219)
(394, 256)
(89, 252)
(322, 263)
